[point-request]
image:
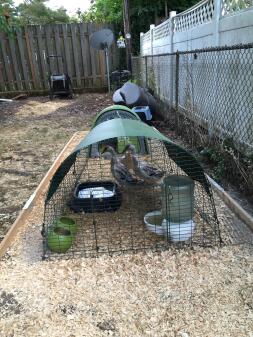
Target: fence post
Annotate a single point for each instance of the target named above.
(141, 43)
(217, 15)
(146, 71)
(151, 38)
(177, 90)
(172, 19)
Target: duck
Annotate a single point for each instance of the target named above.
(142, 169)
(119, 171)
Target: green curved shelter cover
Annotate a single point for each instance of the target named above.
(112, 108)
(127, 127)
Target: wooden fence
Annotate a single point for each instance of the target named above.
(24, 65)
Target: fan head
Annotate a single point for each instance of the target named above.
(102, 39)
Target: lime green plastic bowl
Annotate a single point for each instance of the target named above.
(59, 240)
(67, 223)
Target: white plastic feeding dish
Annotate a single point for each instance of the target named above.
(153, 222)
(178, 232)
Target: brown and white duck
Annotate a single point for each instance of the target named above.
(119, 170)
(142, 169)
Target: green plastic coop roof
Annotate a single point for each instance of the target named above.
(111, 108)
(127, 127)
(119, 127)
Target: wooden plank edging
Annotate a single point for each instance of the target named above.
(26, 210)
(232, 204)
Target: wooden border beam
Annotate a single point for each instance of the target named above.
(232, 204)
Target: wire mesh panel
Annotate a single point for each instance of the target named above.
(212, 86)
(139, 70)
(158, 73)
(208, 101)
(216, 88)
(108, 216)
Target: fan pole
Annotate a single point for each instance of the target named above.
(107, 69)
(127, 33)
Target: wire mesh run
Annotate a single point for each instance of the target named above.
(208, 102)
(115, 219)
(212, 87)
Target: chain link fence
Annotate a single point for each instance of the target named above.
(208, 95)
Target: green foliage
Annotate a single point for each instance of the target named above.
(104, 11)
(229, 164)
(220, 158)
(133, 81)
(142, 14)
(29, 12)
(36, 12)
(8, 14)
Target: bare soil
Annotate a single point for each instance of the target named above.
(32, 133)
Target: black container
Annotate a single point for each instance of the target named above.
(93, 204)
(119, 77)
(131, 95)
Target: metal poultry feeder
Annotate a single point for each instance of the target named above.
(116, 220)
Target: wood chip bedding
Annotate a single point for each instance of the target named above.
(186, 293)
(206, 292)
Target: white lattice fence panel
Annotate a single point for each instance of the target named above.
(195, 16)
(146, 37)
(232, 6)
(162, 30)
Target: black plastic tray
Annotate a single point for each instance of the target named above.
(90, 205)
